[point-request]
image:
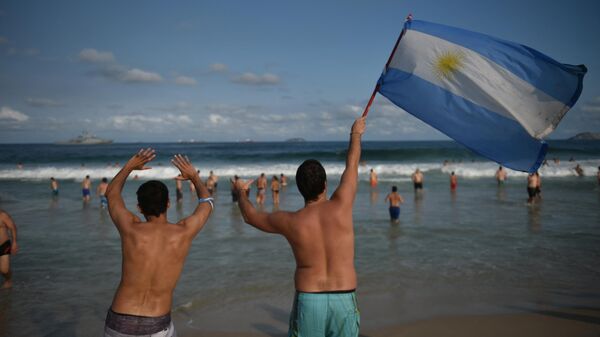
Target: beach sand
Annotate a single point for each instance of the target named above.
(515, 325)
(381, 319)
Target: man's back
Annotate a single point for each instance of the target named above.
(395, 199)
(322, 238)
(153, 257)
(153, 251)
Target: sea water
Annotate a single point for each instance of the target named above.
(479, 249)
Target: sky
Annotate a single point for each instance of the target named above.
(160, 71)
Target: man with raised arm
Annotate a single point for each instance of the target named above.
(154, 250)
(321, 235)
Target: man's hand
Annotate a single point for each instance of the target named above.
(185, 167)
(14, 248)
(243, 186)
(140, 159)
(359, 126)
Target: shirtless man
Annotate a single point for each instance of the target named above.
(579, 170)
(395, 200)
(501, 175)
(101, 192)
(321, 236)
(373, 178)
(8, 246)
(215, 179)
(54, 186)
(275, 190)
(261, 185)
(179, 188)
(210, 185)
(283, 180)
(453, 181)
(417, 179)
(154, 250)
(532, 185)
(86, 187)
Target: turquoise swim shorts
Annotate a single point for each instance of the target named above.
(324, 314)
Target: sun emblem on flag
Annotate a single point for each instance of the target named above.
(447, 63)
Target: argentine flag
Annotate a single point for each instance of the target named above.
(496, 97)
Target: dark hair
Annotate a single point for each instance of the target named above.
(394, 189)
(104, 180)
(153, 197)
(52, 178)
(87, 176)
(310, 179)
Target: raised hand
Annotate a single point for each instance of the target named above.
(188, 171)
(241, 185)
(359, 126)
(140, 159)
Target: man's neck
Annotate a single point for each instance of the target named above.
(157, 219)
(320, 199)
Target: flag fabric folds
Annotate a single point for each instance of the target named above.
(496, 97)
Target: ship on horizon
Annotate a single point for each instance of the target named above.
(85, 138)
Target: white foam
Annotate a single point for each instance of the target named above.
(385, 171)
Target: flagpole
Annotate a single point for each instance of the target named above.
(366, 112)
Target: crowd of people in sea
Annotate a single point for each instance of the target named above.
(534, 186)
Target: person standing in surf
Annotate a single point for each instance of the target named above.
(321, 235)
(395, 200)
(154, 250)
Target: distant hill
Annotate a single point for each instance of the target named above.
(586, 136)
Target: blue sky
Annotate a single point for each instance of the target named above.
(230, 70)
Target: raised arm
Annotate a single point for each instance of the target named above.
(267, 222)
(10, 224)
(120, 215)
(196, 221)
(346, 191)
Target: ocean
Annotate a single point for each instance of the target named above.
(481, 249)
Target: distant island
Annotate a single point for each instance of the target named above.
(295, 140)
(586, 136)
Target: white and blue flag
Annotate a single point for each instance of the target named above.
(496, 97)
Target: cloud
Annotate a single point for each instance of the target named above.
(219, 67)
(185, 80)
(94, 56)
(43, 103)
(3, 40)
(11, 115)
(138, 75)
(592, 106)
(216, 119)
(141, 122)
(108, 67)
(255, 79)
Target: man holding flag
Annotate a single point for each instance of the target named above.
(321, 236)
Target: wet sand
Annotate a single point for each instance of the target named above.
(381, 319)
(515, 325)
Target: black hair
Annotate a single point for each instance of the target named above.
(87, 176)
(310, 179)
(394, 189)
(153, 197)
(104, 180)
